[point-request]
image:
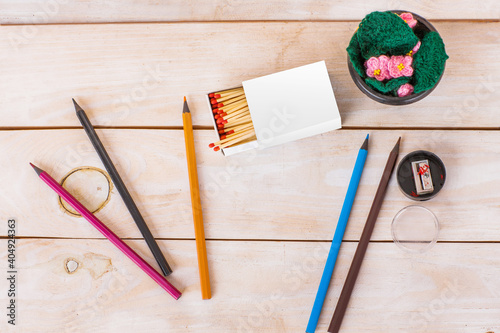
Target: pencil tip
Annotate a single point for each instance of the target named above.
(365, 143)
(37, 170)
(367, 136)
(396, 146)
(186, 107)
(77, 107)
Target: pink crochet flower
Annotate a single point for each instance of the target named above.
(414, 50)
(400, 66)
(408, 18)
(377, 68)
(405, 90)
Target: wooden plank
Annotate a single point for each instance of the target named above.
(136, 74)
(60, 11)
(292, 191)
(258, 287)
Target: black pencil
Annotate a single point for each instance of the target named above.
(122, 189)
(345, 295)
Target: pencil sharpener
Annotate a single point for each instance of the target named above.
(421, 175)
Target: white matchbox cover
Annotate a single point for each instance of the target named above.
(289, 105)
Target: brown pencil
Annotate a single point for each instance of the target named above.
(343, 301)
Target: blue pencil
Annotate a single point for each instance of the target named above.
(337, 238)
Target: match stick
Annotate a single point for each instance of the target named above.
(234, 129)
(233, 107)
(232, 121)
(239, 113)
(229, 101)
(237, 128)
(229, 127)
(237, 121)
(225, 97)
(237, 140)
(231, 137)
(234, 113)
(228, 90)
(230, 111)
(221, 111)
(227, 106)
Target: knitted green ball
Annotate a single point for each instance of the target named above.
(389, 86)
(385, 33)
(428, 62)
(354, 53)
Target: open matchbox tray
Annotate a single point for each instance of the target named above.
(287, 106)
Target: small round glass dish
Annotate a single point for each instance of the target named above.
(415, 229)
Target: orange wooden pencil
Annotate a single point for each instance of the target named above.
(199, 231)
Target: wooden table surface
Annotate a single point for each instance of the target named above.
(269, 215)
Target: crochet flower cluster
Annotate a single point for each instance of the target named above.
(395, 54)
(385, 68)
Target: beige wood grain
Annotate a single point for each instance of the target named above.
(257, 287)
(87, 11)
(136, 74)
(292, 191)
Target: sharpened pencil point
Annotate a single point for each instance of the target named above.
(367, 136)
(77, 107)
(365, 144)
(37, 170)
(185, 109)
(396, 146)
(399, 141)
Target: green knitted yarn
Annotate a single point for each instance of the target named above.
(385, 33)
(354, 53)
(428, 62)
(386, 87)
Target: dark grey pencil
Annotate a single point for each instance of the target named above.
(122, 189)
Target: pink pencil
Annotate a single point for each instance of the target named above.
(53, 184)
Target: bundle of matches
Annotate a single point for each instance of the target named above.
(232, 117)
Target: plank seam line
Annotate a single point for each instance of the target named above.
(489, 20)
(201, 127)
(243, 240)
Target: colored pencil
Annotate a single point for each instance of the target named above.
(120, 244)
(122, 189)
(352, 275)
(196, 203)
(337, 238)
